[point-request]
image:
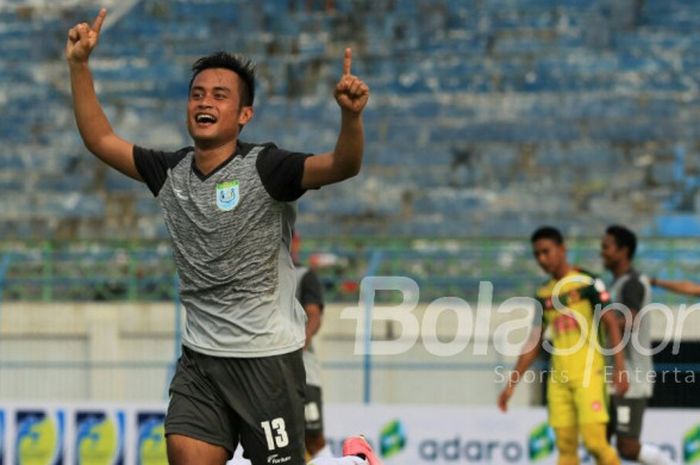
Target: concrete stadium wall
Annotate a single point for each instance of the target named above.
(120, 351)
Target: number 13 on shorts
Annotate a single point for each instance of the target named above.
(275, 433)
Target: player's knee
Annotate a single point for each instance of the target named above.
(567, 441)
(596, 442)
(567, 446)
(567, 460)
(594, 437)
(628, 448)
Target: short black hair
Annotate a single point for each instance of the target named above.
(242, 66)
(624, 237)
(547, 232)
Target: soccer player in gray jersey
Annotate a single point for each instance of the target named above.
(631, 291)
(229, 209)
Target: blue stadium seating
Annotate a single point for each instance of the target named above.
(570, 110)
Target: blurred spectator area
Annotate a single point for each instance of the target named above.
(81, 271)
(487, 118)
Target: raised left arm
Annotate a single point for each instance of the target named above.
(345, 160)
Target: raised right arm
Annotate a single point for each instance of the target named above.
(95, 130)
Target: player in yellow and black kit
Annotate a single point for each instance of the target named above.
(570, 305)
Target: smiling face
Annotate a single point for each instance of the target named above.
(214, 110)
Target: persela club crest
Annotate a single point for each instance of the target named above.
(227, 195)
(100, 437)
(39, 437)
(151, 439)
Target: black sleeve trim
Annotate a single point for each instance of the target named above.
(538, 315)
(632, 294)
(281, 173)
(153, 165)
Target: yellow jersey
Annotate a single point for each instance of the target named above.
(569, 309)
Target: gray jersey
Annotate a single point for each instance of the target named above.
(634, 291)
(230, 232)
(309, 292)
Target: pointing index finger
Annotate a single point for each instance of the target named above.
(97, 25)
(347, 61)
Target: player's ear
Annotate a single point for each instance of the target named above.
(245, 115)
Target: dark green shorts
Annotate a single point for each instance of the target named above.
(626, 416)
(258, 402)
(313, 410)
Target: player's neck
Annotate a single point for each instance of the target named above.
(562, 271)
(208, 157)
(621, 268)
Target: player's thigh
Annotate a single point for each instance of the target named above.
(560, 405)
(195, 411)
(183, 450)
